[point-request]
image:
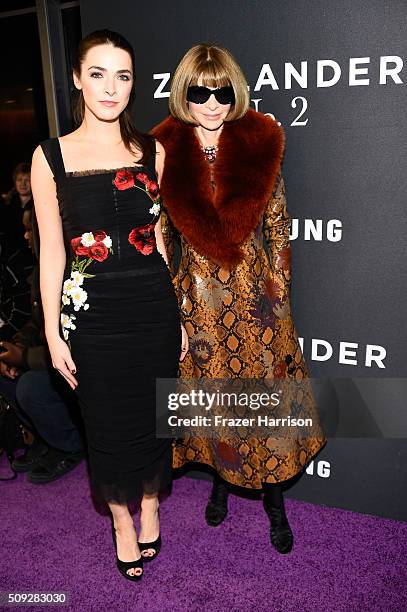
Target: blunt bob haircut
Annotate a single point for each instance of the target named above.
(218, 68)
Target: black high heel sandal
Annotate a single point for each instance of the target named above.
(124, 566)
(146, 545)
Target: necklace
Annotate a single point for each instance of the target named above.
(210, 152)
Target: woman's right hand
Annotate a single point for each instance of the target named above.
(62, 360)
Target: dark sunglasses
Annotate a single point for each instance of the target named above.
(200, 95)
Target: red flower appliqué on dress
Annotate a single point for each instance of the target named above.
(142, 177)
(124, 179)
(97, 250)
(78, 247)
(151, 186)
(143, 238)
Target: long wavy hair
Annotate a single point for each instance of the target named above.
(131, 137)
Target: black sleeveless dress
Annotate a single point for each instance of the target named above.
(119, 315)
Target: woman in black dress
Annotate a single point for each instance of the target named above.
(97, 197)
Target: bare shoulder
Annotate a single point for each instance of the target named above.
(43, 187)
(38, 154)
(39, 162)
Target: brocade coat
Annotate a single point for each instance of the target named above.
(233, 285)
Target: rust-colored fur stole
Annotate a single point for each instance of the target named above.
(216, 222)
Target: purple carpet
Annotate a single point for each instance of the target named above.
(54, 540)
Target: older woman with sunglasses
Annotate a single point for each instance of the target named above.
(223, 194)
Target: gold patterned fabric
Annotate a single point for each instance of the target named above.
(239, 324)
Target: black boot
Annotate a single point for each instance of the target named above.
(31, 457)
(217, 507)
(281, 535)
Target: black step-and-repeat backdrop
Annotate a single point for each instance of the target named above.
(334, 74)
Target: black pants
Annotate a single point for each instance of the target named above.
(44, 406)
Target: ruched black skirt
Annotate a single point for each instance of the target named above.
(129, 336)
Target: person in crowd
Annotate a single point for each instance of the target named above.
(20, 194)
(224, 195)
(116, 326)
(16, 260)
(41, 400)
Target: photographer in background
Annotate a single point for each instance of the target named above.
(41, 399)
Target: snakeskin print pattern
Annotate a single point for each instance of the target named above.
(239, 324)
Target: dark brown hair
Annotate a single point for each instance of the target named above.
(131, 137)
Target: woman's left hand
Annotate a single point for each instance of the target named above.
(184, 343)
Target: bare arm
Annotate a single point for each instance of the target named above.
(159, 167)
(52, 250)
(160, 158)
(160, 241)
(169, 235)
(52, 260)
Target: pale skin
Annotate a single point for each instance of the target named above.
(210, 118)
(106, 80)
